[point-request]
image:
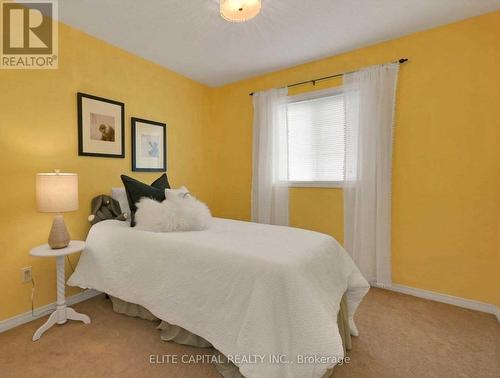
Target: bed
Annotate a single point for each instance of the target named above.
(249, 289)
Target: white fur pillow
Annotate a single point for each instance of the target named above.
(175, 213)
(180, 192)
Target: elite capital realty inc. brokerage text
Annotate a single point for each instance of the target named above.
(238, 359)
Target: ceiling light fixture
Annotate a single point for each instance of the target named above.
(239, 10)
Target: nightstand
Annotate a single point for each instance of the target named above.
(61, 313)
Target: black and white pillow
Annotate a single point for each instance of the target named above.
(136, 190)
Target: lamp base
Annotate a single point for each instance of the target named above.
(59, 235)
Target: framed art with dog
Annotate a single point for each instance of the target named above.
(101, 126)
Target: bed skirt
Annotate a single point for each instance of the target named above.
(171, 332)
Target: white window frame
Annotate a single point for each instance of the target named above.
(311, 96)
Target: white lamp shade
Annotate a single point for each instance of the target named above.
(239, 10)
(56, 192)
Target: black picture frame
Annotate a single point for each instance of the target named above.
(80, 96)
(135, 168)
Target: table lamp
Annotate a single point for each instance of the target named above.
(57, 193)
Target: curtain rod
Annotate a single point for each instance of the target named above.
(314, 81)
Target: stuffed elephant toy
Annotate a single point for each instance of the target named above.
(104, 207)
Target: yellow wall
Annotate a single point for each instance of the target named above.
(38, 132)
(446, 190)
(446, 182)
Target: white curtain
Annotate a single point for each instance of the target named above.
(270, 158)
(370, 102)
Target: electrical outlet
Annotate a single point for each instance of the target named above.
(26, 274)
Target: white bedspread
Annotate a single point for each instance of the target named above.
(250, 289)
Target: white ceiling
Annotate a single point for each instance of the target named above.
(189, 36)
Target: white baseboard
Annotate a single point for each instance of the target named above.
(44, 310)
(444, 298)
(421, 293)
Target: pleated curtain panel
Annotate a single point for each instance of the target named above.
(369, 96)
(270, 158)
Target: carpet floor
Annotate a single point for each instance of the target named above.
(400, 336)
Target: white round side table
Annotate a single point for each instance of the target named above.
(62, 313)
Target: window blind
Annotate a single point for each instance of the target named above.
(316, 139)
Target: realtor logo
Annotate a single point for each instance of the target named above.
(29, 35)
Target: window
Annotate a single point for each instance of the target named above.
(316, 139)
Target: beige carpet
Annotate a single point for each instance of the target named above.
(401, 336)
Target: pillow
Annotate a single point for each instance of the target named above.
(161, 182)
(180, 192)
(175, 214)
(136, 190)
(120, 195)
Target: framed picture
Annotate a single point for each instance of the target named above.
(149, 146)
(101, 126)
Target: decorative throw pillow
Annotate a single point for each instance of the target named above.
(137, 190)
(161, 182)
(174, 214)
(179, 192)
(120, 195)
